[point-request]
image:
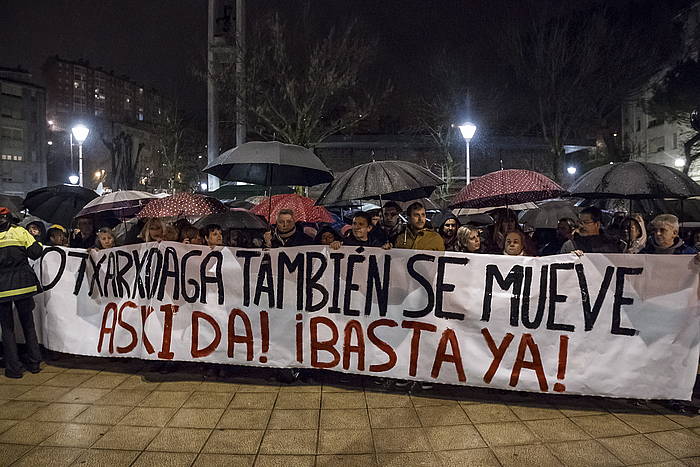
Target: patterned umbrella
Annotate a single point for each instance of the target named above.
(506, 187)
(120, 204)
(233, 219)
(182, 204)
(303, 207)
(58, 204)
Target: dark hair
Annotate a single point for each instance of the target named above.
(570, 223)
(289, 212)
(188, 231)
(365, 215)
(413, 207)
(104, 230)
(392, 204)
(595, 213)
(322, 230)
(210, 228)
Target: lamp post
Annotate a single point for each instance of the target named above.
(80, 133)
(468, 129)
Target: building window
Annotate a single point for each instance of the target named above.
(13, 134)
(657, 144)
(139, 116)
(11, 90)
(11, 157)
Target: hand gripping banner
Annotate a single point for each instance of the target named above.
(607, 325)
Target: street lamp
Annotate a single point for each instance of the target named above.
(80, 133)
(203, 186)
(571, 170)
(468, 129)
(73, 179)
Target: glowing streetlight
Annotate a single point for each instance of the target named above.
(73, 179)
(468, 129)
(80, 133)
(680, 162)
(571, 170)
(203, 186)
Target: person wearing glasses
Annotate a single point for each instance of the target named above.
(589, 237)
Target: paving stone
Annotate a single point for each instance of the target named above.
(103, 457)
(482, 457)
(48, 455)
(196, 418)
(127, 437)
(180, 386)
(583, 453)
(29, 432)
(12, 392)
(179, 440)
(218, 386)
(244, 419)
(11, 452)
(427, 401)
(253, 400)
(394, 417)
(83, 395)
(148, 416)
(489, 413)
(165, 459)
(103, 414)
(7, 424)
(403, 459)
(343, 400)
(76, 435)
(442, 415)
(298, 400)
(58, 412)
(43, 394)
(381, 399)
(102, 381)
(289, 442)
(345, 442)
(520, 456)
(559, 429)
(443, 438)
(635, 449)
(346, 460)
(344, 419)
(300, 387)
(125, 397)
(680, 443)
(543, 412)
(264, 460)
(685, 420)
(400, 440)
(293, 419)
(506, 433)
(691, 461)
(28, 379)
(209, 400)
(245, 387)
(173, 399)
(234, 442)
(19, 410)
(138, 383)
(603, 426)
(224, 460)
(646, 423)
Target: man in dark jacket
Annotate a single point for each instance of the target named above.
(18, 284)
(360, 234)
(590, 238)
(446, 224)
(85, 237)
(286, 232)
(665, 240)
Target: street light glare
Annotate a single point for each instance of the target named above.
(680, 162)
(80, 133)
(468, 129)
(73, 179)
(203, 186)
(571, 170)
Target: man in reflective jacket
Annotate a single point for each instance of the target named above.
(18, 284)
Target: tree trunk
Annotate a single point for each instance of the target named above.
(687, 149)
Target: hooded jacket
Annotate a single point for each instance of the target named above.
(678, 248)
(438, 221)
(424, 239)
(17, 278)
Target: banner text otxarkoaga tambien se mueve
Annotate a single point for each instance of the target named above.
(610, 325)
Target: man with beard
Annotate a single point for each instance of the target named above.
(286, 232)
(18, 284)
(417, 235)
(446, 224)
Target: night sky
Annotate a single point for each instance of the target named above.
(159, 42)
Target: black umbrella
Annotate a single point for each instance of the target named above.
(11, 202)
(234, 219)
(393, 180)
(634, 180)
(270, 163)
(58, 204)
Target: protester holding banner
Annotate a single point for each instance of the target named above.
(634, 234)
(85, 235)
(18, 284)
(417, 235)
(590, 237)
(56, 236)
(515, 244)
(105, 239)
(469, 239)
(391, 224)
(360, 235)
(190, 235)
(665, 240)
(286, 232)
(446, 224)
(213, 235)
(152, 231)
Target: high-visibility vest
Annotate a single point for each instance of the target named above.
(17, 278)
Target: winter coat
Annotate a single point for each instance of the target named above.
(17, 278)
(678, 248)
(422, 240)
(592, 244)
(438, 221)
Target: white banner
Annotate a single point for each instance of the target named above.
(607, 325)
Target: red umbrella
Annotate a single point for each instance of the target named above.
(304, 208)
(506, 187)
(182, 204)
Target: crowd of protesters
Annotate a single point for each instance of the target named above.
(387, 228)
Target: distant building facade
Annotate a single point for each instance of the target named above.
(23, 145)
(658, 141)
(107, 104)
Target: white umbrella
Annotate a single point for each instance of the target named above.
(121, 204)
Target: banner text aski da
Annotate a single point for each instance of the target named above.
(158, 274)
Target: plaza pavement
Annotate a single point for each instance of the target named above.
(113, 412)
